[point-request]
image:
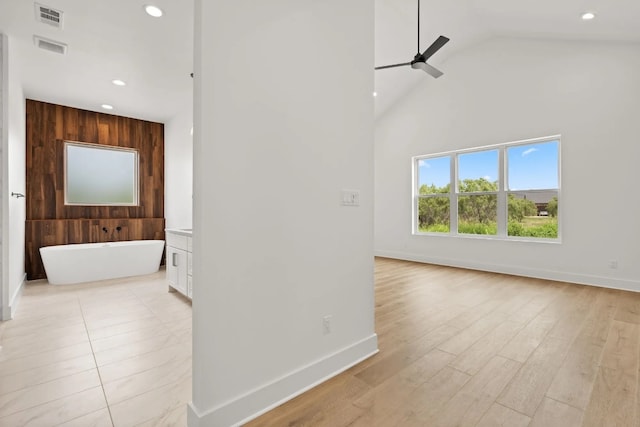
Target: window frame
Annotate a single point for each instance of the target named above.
(502, 192)
(136, 173)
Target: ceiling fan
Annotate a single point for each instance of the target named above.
(420, 60)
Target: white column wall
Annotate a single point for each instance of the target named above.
(283, 122)
(4, 291)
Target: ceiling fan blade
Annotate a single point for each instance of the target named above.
(435, 46)
(432, 71)
(391, 66)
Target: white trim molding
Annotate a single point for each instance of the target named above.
(264, 398)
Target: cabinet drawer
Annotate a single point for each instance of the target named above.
(189, 244)
(189, 263)
(177, 241)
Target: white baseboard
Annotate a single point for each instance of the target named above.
(262, 399)
(14, 300)
(560, 276)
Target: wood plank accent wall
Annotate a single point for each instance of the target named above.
(49, 220)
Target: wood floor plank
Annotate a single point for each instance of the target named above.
(476, 357)
(390, 365)
(613, 400)
(501, 416)
(575, 378)
(469, 336)
(381, 401)
(552, 413)
(426, 403)
(637, 420)
(469, 405)
(530, 337)
(629, 308)
(530, 385)
(311, 408)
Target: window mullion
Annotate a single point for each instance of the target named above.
(503, 215)
(453, 196)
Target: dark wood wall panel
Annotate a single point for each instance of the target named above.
(48, 218)
(49, 125)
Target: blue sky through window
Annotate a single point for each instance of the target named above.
(529, 167)
(533, 166)
(481, 164)
(434, 171)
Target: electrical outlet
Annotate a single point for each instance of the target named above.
(326, 325)
(613, 264)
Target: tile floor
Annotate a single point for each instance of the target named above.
(110, 353)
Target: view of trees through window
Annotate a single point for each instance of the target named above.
(528, 188)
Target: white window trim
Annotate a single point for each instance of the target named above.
(502, 193)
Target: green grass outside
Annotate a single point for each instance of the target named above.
(532, 226)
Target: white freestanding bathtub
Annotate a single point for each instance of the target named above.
(88, 262)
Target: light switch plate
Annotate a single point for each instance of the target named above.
(350, 198)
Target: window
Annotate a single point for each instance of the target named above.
(532, 189)
(434, 182)
(98, 175)
(502, 191)
(478, 192)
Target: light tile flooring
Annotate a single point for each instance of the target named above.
(110, 353)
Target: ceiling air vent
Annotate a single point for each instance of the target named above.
(50, 45)
(48, 15)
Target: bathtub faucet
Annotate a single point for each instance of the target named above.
(105, 229)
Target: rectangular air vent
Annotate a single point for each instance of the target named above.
(50, 45)
(48, 15)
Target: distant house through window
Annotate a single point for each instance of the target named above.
(508, 191)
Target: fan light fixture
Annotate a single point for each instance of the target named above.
(154, 11)
(420, 60)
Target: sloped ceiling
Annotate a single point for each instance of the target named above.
(116, 39)
(468, 22)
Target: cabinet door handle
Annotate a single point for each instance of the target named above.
(174, 259)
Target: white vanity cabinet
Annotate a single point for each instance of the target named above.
(178, 262)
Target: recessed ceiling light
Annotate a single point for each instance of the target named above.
(118, 82)
(107, 106)
(588, 16)
(154, 11)
(375, 94)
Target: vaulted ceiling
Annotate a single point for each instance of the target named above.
(115, 39)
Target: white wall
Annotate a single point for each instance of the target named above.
(511, 89)
(13, 180)
(4, 290)
(283, 122)
(178, 166)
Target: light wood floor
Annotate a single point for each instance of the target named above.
(465, 348)
(112, 353)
